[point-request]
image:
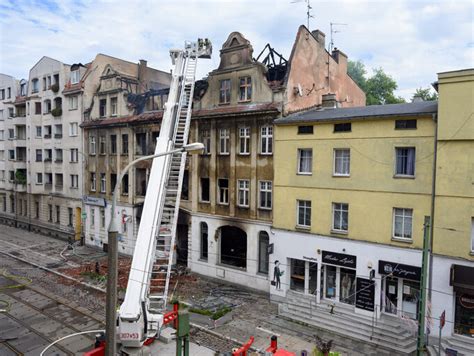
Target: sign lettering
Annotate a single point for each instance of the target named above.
(365, 294)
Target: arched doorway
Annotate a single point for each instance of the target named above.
(233, 246)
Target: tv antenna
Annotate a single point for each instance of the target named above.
(308, 11)
(334, 30)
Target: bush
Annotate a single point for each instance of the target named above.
(57, 112)
(213, 315)
(20, 177)
(55, 87)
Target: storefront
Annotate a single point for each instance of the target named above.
(338, 277)
(462, 280)
(400, 289)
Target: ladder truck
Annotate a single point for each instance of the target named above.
(143, 310)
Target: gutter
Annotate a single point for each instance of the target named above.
(433, 199)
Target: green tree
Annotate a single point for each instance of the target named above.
(357, 71)
(425, 94)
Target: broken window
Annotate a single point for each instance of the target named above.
(185, 186)
(245, 89)
(125, 144)
(233, 246)
(204, 241)
(223, 191)
(205, 190)
(224, 96)
(125, 184)
(263, 257)
(102, 144)
(113, 144)
(140, 174)
(141, 144)
(206, 140)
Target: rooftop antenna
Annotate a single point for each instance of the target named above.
(333, 31)
(308, 9)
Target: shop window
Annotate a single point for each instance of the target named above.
(204, 241)
(263, 258)
(330, 282)
(347, 284)
(411, 295)
(233, 243)
(464, 313)
(297, 275)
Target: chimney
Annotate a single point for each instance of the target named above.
(320, 37)
(341, 59)
(329, 101)
(142, 70)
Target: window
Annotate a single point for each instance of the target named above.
(58, 131)
(44, 84)
(303, 130)
(206, 140)
(12, 176)
(224, 137)
(58, 179)
(38, 131)
(93, 181)
(73, 127)
(113, 144)
(223, 191)
(342, 162)
(74, 181)
(75, 75)
(58, 214)
(49, 81)
(124, 185)
(265, 195)
(305, 161)
(125, 144)
(340, 214)
(102, 107)
(263, 257)
(405, 161)
(37, 108)
(245, 89)
(48, 155)
(39, 155)
(92, 145)
(11, 134)
(39, 178)
(1, 135)
(2, 94)
(266, 136)
(74, 155)
(73, 102)
(113, 182)
(102, 145)
(405, 124)
(22, 88)
(50, 213)
(102, 183)
(48, 178)
(70, 215)
(244, 136)
(102, 218)
(47, 106)
(11, 155)
(140, 143)
(34, 85)
(47, 131)
(345, 127)
(9, 93)
(304, 213)
(59, 155)
(224, 97)
(472, 234)
(37, 210)
(113, 106)
(205, 190)
(56, 79)
(204, 241)
(243, 193)
(402, 223)
(92, 217)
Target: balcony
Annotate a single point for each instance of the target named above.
(21, 188)
(48, 186)
(58, 135)
(47, 160)
(58, 160)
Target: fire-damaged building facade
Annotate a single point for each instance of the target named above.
(121, 123)
(229, 209)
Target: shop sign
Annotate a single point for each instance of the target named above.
(339, 259)
(365, 294)
(93, 201)
(467, 301)
(400, 270)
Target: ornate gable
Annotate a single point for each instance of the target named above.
(236, 52)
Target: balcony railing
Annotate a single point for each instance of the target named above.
(47, 136)
(58, 135)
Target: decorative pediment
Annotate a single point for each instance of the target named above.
(236, 51)
(108, 70)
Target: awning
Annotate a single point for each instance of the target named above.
(462, 276)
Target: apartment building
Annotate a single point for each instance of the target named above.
(121, 123)
(230, 208)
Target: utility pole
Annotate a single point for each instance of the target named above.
(111, 296)
(420, 346)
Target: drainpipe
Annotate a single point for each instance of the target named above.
(433, 195)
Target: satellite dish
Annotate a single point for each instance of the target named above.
(300, 91)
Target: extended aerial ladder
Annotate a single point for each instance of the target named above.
(141, 314)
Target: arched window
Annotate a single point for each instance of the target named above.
(204, 241)
(233, 246)
(263, 260)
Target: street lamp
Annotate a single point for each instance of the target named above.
(112, 250)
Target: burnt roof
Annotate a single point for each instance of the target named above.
(362, 112)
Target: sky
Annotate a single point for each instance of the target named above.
(412, 40)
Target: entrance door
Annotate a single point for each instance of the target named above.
(391, 295)
(330, 282)
(313, 278)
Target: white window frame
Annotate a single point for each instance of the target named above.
(39, 130)
(342, 208)
(300, 158)
(74, 155)
(75, 76)
(303, 205)
(404, 216)
(224, 141)
(74, 181)
(73, 102)
(206, 140)
(102, 218)
(245, 85)
(39, 178)
(113, 106)
(92, 216)
(93, 178)
(223, 192)
(244, 141)
(103, 183)
(102, 145)
(396, 162)
(266, 140)
(243, 196)
(73, 129)
(265, 187)
(339, 162)
(92, 145)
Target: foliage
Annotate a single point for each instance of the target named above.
(425, 94)
(57, 112)
(323, 346)
(94, 276)
(379, 88)
(20, 177)
(55, 87)
(213, 315)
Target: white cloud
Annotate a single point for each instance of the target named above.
(410, 40)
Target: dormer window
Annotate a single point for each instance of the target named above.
(245, 89)
(224, 97)
(75, 76)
